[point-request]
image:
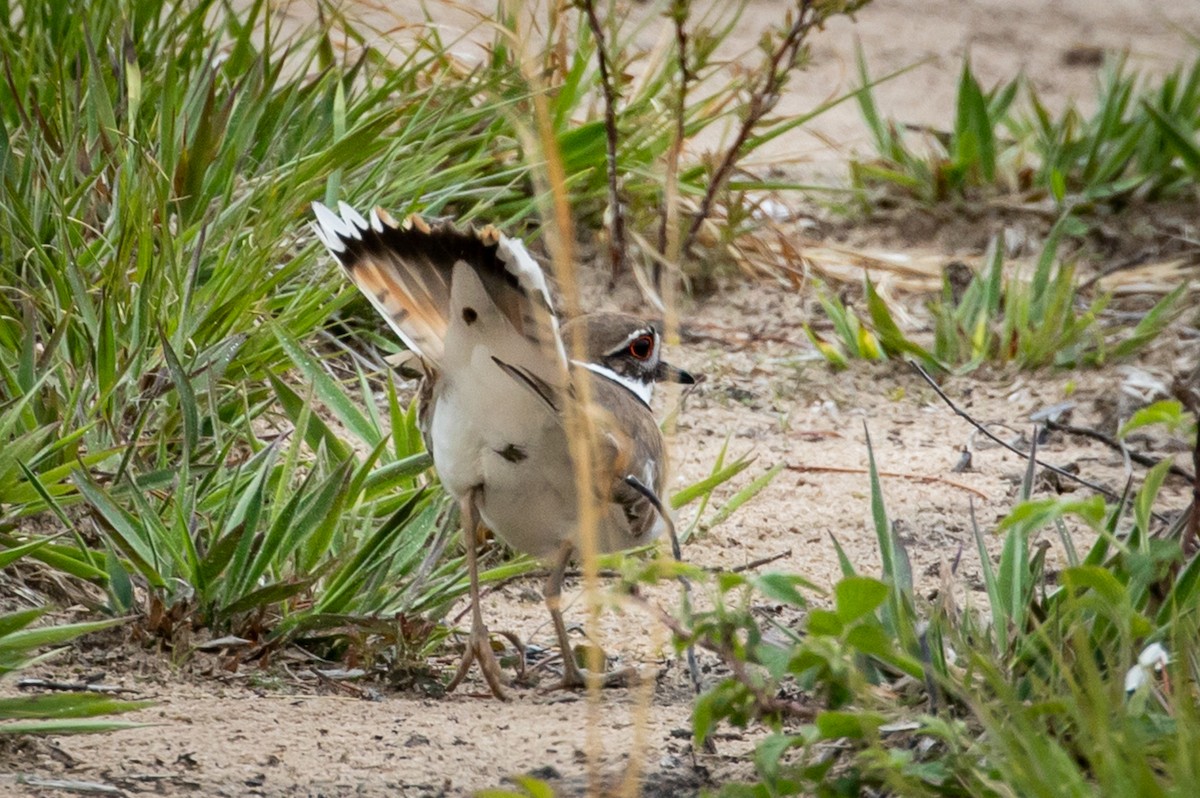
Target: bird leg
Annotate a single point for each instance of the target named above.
(573, 677)
(479, 645)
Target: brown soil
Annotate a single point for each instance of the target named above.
(279, 732)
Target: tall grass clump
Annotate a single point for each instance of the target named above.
(155, 397)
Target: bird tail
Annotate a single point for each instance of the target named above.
(406, 271)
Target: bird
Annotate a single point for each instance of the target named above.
(502, 373)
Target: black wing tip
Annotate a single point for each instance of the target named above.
(350, 237)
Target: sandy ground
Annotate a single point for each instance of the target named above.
(250, 734)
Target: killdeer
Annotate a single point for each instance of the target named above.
(499, 371)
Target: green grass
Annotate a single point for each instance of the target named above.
(998, 318)
(1025, 695)
(1140, 143)
(157, 170)
(62, 713)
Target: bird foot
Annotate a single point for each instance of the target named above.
(576, 678)
(479, 649)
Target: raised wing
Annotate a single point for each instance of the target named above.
(445, 290)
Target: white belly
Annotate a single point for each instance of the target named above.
(489, 431)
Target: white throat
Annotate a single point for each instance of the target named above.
(642, 390)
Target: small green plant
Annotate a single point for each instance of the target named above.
(854, 340)
(966, 158)
(999, 319)
(1041, 692)
(1139, 143)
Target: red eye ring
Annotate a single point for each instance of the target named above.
(642, 347)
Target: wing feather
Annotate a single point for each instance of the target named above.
(407, 272)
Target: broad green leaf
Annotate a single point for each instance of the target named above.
(852, 725)
(782, 587)
(857, 596)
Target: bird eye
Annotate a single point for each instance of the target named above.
(642, 347)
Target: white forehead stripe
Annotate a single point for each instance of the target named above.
(643, 390)
(636, 334)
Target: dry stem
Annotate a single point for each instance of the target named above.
(616, 238)
(765, 92)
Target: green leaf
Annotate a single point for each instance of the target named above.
(29, 639)
(705, 486)
(66, 705)
(67, 726)
(1168, 412)
(782, 587)
(11, 555)
(1032, 515)
(342, 406)
(1182, 141)
(129, 535)
(852, 725)
(316, 432)
(187, 398)
(1096, 578)
(120, 587)
(824, 622)
(756, 486)
(858, 596)
(769, 751)
(269, 595)
(19, 619)
(704, 717)
(871, 640)
(890, 336)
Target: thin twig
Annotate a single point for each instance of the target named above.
(1194, 519)
(1062, 472)
(764, 96)
(667, 233)
(1112, 443)
(616, 239)
(752, 565)
(74, 687)
(803, 469)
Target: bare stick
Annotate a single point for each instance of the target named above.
(1112, 443)
(616, 239)
(74, 687)
(752, 565)
(891, 474)
(1062, 472)
(764, 96)
(668, 236)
